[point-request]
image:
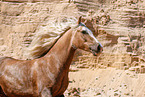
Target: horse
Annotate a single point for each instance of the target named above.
(47, 76)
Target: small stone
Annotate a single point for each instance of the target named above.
(131, 90)
(97, 78)
(103, 91)
(104, 86)
(98, 94)
(76, 94)
(127, 73)
(83, 90)
(125, 85)
(116, 94)
(115, 90)
(126, 93)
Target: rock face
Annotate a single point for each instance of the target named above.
(20, 1)
(20, 21)
(119, 25)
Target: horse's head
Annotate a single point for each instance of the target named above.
(85, 40)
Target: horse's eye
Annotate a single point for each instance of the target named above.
(84, 32)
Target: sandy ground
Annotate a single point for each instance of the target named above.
(108, 82)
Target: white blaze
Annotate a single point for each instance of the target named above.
(91, 34)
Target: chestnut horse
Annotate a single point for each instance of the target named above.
(46, 76)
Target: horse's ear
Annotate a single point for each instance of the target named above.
(79, 20)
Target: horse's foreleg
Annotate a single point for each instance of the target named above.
(62, 95)
(2, 94)
(46, 93)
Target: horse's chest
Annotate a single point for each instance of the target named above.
(60, 85)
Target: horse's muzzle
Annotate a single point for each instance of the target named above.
(96, 50)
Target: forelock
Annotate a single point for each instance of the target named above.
(82, 24)
(86, 28)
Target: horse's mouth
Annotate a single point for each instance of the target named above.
(96, 52)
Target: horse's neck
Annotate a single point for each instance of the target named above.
(63, 50)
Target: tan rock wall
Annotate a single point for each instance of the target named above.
(19, 21)
(31, 0)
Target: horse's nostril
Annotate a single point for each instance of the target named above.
(100, 48)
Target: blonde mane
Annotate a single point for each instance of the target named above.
(47, 36)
